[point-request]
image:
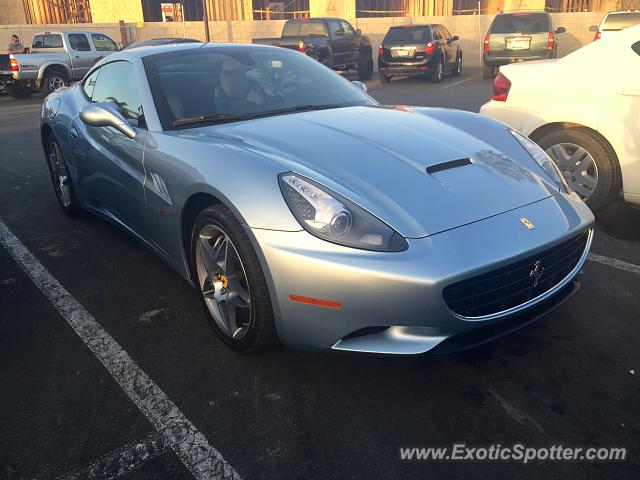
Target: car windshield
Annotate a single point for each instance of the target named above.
(618, 21)
(407, 34)
(520, 23)
(231, 83)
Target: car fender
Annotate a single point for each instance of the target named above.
(56, 64)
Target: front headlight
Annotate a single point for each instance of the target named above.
(332, 217)
(542, 159)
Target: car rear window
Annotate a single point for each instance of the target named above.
(408, 34)
(521, 23)
(47, 41)
(291, 29)
(618, 21)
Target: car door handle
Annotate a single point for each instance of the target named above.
(73, 131)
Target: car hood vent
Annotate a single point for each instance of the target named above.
(439, 167)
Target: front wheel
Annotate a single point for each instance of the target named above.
(458, 68)
(365, 68)
(61, 180)
(231, 282)
(587, 163)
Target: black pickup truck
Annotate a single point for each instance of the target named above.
(331, 41)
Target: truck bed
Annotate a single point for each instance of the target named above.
(287, 42)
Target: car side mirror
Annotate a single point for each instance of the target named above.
(360, 85)
(593, 28)
(358, 31)
(105, 114)
(561, 30)
(455, 38)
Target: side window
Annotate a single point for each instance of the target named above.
(636, 47)
(317, 28)
(117, 84)
(103, 43)
(51, 41)
(79, 42)
(335, 28)
(348, 29)
(37, 41)
(90, 83)
(439, 35)
(445, 32)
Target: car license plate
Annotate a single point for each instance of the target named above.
(403, 52)
(518, 43)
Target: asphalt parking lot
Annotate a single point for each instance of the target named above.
(571, 379)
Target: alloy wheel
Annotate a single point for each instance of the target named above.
(55, 82)
(223, 282)
(577, 166)
(59, 176)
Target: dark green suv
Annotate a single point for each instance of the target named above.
(516, 37)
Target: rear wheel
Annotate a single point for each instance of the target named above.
(587, 163)
(384, 78)
(436, 76)
(61, 180)
(488, 71)
(232, 285)
(365, 67)
(54, 79)
(326, 61)
(18, 91)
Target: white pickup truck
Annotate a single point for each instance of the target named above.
(55, 60)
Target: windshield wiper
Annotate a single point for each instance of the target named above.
(219, 118)
(224, 117)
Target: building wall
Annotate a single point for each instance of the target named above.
(470, 28)
(112, 11)
(11, 13)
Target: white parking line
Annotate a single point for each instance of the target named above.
(612, 262)
(454, 84)
(191, 446)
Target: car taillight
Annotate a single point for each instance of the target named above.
(429, 48)
(15, 67)
(501, 87)
(551, 41)
(301, 47)
(380, 51)
(485, 47)
(598, 35)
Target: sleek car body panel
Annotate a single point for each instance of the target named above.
(144, 185)
(582, 96)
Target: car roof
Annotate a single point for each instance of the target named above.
(148, 51)
(416, 25)
(520, 12)
(62, 32)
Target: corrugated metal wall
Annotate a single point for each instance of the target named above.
(57, 11)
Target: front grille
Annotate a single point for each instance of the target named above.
(513, 285)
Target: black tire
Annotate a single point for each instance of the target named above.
(18, 91)
(488, 71)
(457, 70)
(384, 78)
(365, 67)
(72, 208)
(326, 61)
(54, 78)
(262, 330)
(438, 73)
(609, 181)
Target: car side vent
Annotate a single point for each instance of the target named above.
(438, 167)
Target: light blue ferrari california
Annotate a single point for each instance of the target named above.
(305, 212)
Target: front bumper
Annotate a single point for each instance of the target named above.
(392, 302)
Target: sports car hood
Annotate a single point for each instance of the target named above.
(396, 163)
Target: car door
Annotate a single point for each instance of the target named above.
(338, 42)
(450, 46)
(109, 164)
(352, 43)
(442, 45)
(82, 56)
